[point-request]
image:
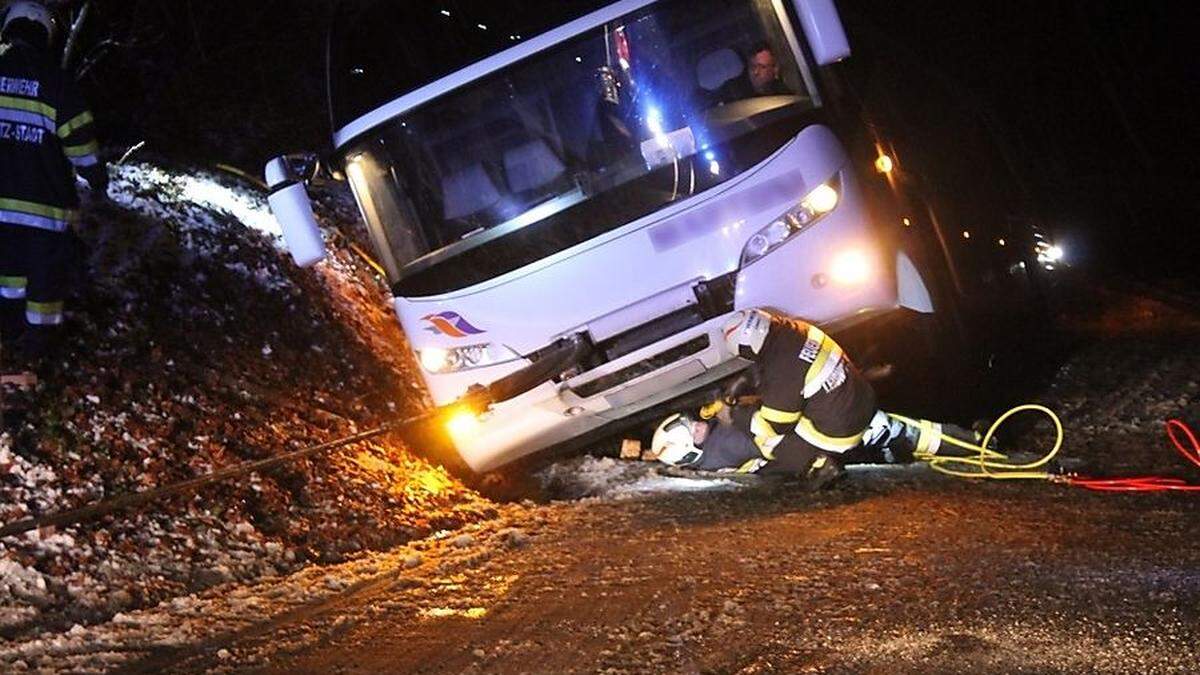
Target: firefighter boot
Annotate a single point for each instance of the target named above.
(39, 346)
(974, 435)
(886, 441)
(825, 470)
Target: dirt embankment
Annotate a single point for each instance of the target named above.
(195, 344)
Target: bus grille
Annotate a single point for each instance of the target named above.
(606, 382)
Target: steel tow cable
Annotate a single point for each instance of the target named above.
(128, 501)
(565, 353)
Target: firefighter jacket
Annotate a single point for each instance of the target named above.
(813, 398)
(46, 134)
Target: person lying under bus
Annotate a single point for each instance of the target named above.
(811, 413)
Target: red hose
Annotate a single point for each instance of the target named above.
(1192, 455)
(1150, 483)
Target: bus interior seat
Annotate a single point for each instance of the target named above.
(467, 192)
(531, 166)
(716, 68)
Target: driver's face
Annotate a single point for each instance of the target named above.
(764, 70)
(699, 431)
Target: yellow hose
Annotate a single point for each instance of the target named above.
(985, 463)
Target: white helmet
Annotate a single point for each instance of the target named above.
(28, 10)
(673, 443)
(746, 332)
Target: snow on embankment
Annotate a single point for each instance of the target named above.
(194, 344)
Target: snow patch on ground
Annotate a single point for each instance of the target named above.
(198, 188)
(610, 478)
(207, 210)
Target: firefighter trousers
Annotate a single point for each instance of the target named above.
(33, 273)
(831, 423)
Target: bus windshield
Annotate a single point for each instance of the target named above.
(580, 139)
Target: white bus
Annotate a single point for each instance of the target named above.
(617, 178)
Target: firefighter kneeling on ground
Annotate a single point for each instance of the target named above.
(813, 412)
(46, 135)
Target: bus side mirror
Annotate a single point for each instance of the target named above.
(292, 208)
(823, 28)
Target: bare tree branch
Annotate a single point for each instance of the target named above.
(95, 54)
(73, 36)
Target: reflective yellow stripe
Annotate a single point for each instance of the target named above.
(808, 432)
(44, 313)
(711, 410)
(81, 150)
(818, 336)
(28, 105)
(45, 307)
(766, 446)
(75, 124)
(14, 282)
(751, 466)
(827, 370)
(765, 436)
(823, 366)
(759, 426)
(778, 416)
(930, 438)
(33, 208)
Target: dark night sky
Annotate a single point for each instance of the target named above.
(1079, 75)
(1092, 102)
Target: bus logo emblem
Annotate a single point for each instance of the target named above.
(450, 323)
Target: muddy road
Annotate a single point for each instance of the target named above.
(892, 570)
(894, 573)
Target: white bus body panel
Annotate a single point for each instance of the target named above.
(645, 270)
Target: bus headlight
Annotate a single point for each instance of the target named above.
(462, 424)
(850, 268)
(455, 359)
(815, 205)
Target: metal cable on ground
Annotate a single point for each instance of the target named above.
(123, 502)
(564, 353)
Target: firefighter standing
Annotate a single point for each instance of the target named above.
(814, 412)
(46, 136)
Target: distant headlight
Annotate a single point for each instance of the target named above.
(816, 205)
(455, 359)
(1048, 253)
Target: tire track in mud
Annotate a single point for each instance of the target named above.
(774, 580)
(449, 555)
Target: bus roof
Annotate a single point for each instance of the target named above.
(386, 58)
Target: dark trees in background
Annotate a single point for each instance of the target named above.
(207, 80)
